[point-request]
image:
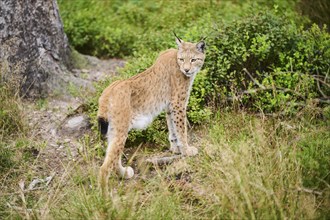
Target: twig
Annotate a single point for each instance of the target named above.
(134, 155)
(322, 100)
(318, 85)
(318, 78)
(251, 91)
(19, 209)
(253, 79)
(312, 191)
(163, 160)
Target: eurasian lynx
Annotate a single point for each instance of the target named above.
(135, 102)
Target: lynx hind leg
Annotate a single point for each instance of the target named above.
(116, 143)
(125, 172)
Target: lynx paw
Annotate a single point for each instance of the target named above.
(127, 173)
(191, 151)
(174, 149)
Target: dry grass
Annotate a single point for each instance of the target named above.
(248, 168)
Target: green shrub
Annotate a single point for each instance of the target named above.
(122, 28)
(197, 111)
(92, 28)
(268, 62)
(264, 60)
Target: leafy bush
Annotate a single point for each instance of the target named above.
(197, 109)
(121, 28)
(268, 63)
(92, 28)
(264, 60)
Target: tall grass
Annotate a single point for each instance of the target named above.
(248, 168)
(11, 115)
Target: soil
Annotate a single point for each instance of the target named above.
(59, 122)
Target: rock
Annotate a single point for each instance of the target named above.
(75, 126)
(76, 122)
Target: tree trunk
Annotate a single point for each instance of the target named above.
(34, 50)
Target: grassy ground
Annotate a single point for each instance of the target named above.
(249, 167)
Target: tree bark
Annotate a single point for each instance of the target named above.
(34, 50)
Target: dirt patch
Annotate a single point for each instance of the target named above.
(57, 121)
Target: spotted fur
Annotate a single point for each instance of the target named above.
(135, 102)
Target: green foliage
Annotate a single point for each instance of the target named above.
(156, 134)
(6, 157)
(317, 11)
(264, 61)
(282, 58)
(284, 91)
(267, 62)
(121, 28)
(87, 26)
(197, 110)
(314, 156)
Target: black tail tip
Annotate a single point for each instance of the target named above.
(103, 126)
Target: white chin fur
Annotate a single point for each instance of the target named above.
(188, 74)
(191, 73)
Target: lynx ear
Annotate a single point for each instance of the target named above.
(201, 46)
(178, 40)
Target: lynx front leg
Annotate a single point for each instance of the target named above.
(172, 137)
(179, 123)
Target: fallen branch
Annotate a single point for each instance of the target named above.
(279, 89)
(163, 160)
(312, 191)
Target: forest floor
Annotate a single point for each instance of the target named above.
(248, 166)
(60, 121)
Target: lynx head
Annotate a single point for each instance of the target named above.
(190, 56)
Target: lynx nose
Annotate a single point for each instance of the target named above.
(186, 70)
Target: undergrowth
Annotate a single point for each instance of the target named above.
(17, 150)
(249, 167)
(262, 60)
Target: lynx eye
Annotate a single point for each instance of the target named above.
(181, 59)
(193, 60)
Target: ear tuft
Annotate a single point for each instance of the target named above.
(178, 40)
(201, 46)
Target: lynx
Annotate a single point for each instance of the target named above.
(134, 103)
